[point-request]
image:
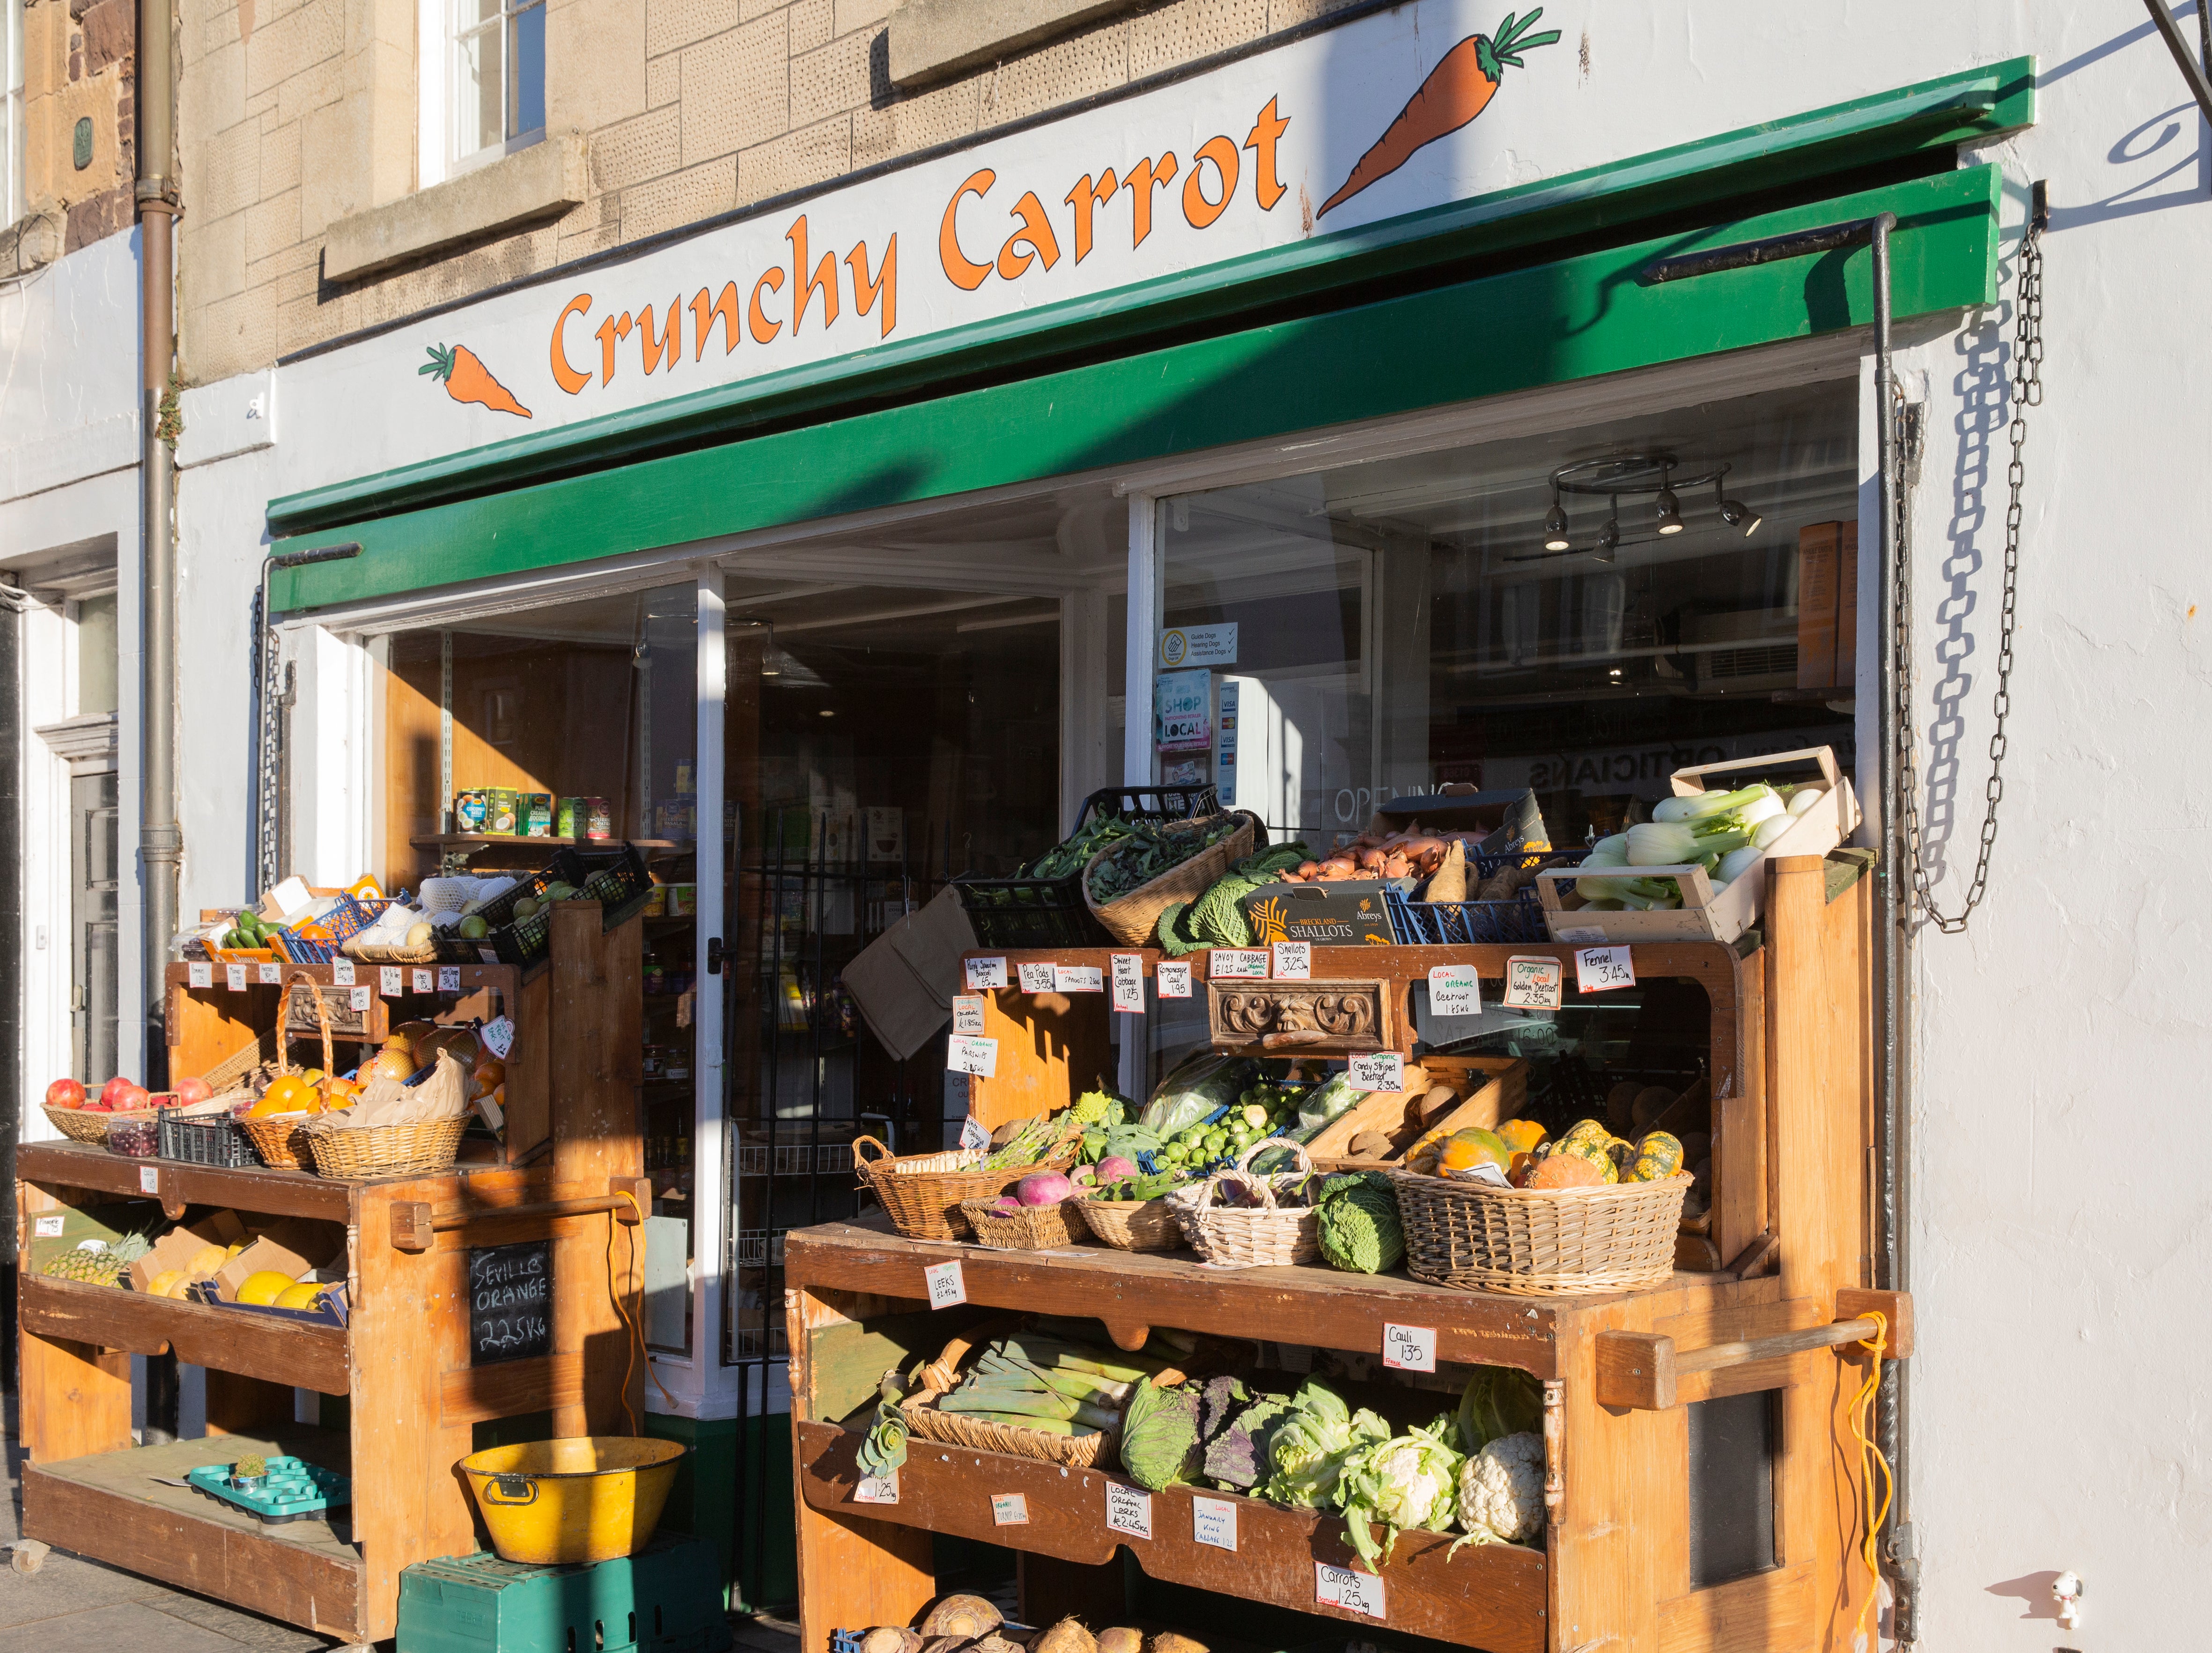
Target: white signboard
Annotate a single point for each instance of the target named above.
(947, 1286)
(1171, 978)
(1009, 1510)
(1128, 982)
(1603, 970)
(966, 1053)
(423, 981)
(968, 1013)
(233, 977)
(986, 973)
(1182, 711)
(449, 978)
(1036, 978)
(876, 1489)
(1380, 1070)
(1077, 978)
(1532, 983)
(387, 981)
(1409, 1348)
(1213, 1521)
(1236, 964)
(1292, 960)
(271, 976)
(1128, 1509)
(1454, 990)
(199, 976)
(1347, 1587)
(342, 972)
(1181, 646)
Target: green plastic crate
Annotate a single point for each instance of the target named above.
(667, 1598)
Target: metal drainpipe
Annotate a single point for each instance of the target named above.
(160, 842)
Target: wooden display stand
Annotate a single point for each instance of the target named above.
(1790, 1065)
(401, 1362)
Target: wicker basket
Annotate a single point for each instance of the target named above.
(922, 1193)
(1033, 1228)
(80, 1125)
(1256, 1236)
(356, 1156)
(1131, 1225)
(282, 1142)
(958, 1429)
(1132, 917)
(1539, 1242)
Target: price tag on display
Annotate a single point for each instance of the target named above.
(449, 978)
(200, 975)
(968, 1013)
(1236, 964)
(387, 981)
(1213, 1521)
(1454, 990)
(233, 977)
(1578, 935)
(972, 1134)
(1532, 983)
(1293, 961)
(966, 1053)
(876, 1489)
(48, 1228)
(1171, 978)
(358, 999)
(270, 975)
(1409, 1348)
(1128, 1509)
(944, 1285)
(149, 1180)
(1077, 978)
(341, 972)
(1603, 970)
(1380, 1070)
(498, 1037)
(1036, 978)
(1009, 1510)
(1342, 1587)
(986, 973)
(423, 981)
(1128, 984)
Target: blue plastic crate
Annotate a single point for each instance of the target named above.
(1474, 923)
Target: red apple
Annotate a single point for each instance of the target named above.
(114, 1089)
(66, 1093)
(190, 1091)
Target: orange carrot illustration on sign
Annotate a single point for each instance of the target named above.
(467, 380)
(1458, 90)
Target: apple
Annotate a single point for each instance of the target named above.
(190, 1091)
(66, 1093)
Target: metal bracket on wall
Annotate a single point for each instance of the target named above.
(2192, 69)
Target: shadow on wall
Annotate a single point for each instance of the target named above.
(2035, 1590)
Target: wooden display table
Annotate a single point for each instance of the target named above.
(1789, 1060)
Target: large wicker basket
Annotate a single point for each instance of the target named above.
(282, 1141)
(1132, 917)
(1251, 1237)
(80, 1124)
(1539, 1242)
(1033, 1228)
(1131, 1225)
(922, 1193)
(958, 1429)
(356, 1155)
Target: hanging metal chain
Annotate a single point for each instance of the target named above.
(2027, 392)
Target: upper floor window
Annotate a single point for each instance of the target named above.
(496, 53)
(11, 116)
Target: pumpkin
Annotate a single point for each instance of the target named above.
(1521, 1135)
(1567, 1170)
(1658, 1157)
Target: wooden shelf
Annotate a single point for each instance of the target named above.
(110, 1508)
(1492, 1596)
(273, 1192)
(297, 1353)
(496, 840)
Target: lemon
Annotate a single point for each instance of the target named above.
(302, 1296)
(263, 1289)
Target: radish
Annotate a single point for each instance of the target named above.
(1114, 1168)
(1043, 1188)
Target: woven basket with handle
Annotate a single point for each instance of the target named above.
(1033, 1228)
(1251, 1237)
(1131, 1225)
(1132, 917)
(282, 1142)
(80, 1124)
(922, 1193)
(1539, 1242)
(941, 1375)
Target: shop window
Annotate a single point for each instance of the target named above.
(1735, 1443)
(495, 71)
(1576, 614)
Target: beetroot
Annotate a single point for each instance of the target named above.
(1114, 1168)
(1043, 1188)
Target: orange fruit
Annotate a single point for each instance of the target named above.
(288, 1095)
(1521, 1135)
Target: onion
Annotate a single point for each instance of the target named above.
(1114, 1168)
(1043, 1188)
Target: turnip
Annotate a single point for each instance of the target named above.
(1043, 1188)
(1114, 1168)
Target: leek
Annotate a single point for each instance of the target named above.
(1017, 1420)
(1069, 1357)
(1673, 843)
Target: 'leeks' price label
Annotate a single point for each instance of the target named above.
(1409, 1348)
(986, 973)
(233, 977)
(1236, 964)
(1171, 978)
(358, 998)
(423, 981)
(1077, 978)
(1128, 1509)
(1603, 970)
(387, 981)
(1532, 983)
(1213, 1521)
(1379, 1070)
(1292, 961)
(449, 978)
(1009, 1510)
(966, 1053)
(1454, 990)
(967, 1012)
(1036, 978)
(341, 972)
(1343, 1587)
(946, 1287)
(876, 1489)
(1128, 982)
(200, 975)
(271, 976)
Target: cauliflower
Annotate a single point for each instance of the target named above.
(1501, 1491)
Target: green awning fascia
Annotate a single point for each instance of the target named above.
(1498, 228)
(1573, 320)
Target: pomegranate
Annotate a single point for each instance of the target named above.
(114, 1089)
(190, 1091)
(66, 1093)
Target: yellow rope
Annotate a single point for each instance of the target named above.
(636, 1346)
(1870, 1458)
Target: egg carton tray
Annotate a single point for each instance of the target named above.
(294, 1489)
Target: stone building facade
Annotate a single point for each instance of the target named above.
(79, 127)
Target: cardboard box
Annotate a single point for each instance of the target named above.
(1486, 1092)
(181, 1244)
(1349, 913)
(292, 1247)
(1827, 604)
(47, 1234)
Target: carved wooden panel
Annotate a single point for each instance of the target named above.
(1319, 1015)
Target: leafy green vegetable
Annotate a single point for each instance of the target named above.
(1236, 1456)
(1408, 1480)
(1310, 1443)
(1359, 1226)
(1073, 854)
(1149, 850)
(1499, 1401)
(1160, 1436)
(1199, 1086)
(883, 1448)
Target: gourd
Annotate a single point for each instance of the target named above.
(1588, 1140)
(1658, 1157)
(1567, 1170)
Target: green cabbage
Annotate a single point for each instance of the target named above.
(1359, 1226)
(1159, 1435)
(1499, 1401)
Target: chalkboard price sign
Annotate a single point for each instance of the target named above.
(510, 1302)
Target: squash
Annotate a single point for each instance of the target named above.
(1568, 1171)
(1622, 1152)
(1588, 1140)
(1658, 1157)
(1521, 1135)
(1463, 1149)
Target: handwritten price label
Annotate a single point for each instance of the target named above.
(1213, 1521)
(341, 972)
(985, 973)
(947, 1288)
(968, 1013)
(1409, 1348)
(359, 998)
(966, 1053)
(449, 978)
(1236, 964)
(876, 1489)
(233, 977)
(1532, 983)
(1380, 1070)
(1009, 1510)
(271, 976)
(1128, 982)
(200, 975)
(1342, 1587)
(423, 981)
(1128, 1509)
(387, 981)
(1603, 970)
(1077, 978)
(1454, 990)
(1292, 961)
(1036, 978)
(498, 1036)
(149, 1180)
(1172, 980)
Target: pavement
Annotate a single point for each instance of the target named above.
(72, 1605)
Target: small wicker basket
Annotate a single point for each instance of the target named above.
(1266, 1236)
(1539, 1242)
(80, 1124)
(282, 1141)
(922, 1193)
(1132, 917)
(958, 1429)
(1033, 1228)
(356, 1155)
(1131, 1225)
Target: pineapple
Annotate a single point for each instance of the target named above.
(94, 1264)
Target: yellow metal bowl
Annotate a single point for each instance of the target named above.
(588, 1498)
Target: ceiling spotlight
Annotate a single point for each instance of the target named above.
(1670, 509)
(1555, 526)
(1735, 513)
(1608, 538)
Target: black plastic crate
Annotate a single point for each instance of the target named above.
(214, 1140)
(1470, 923)
(616, 879)
(1019, 913)
(1149, 804)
